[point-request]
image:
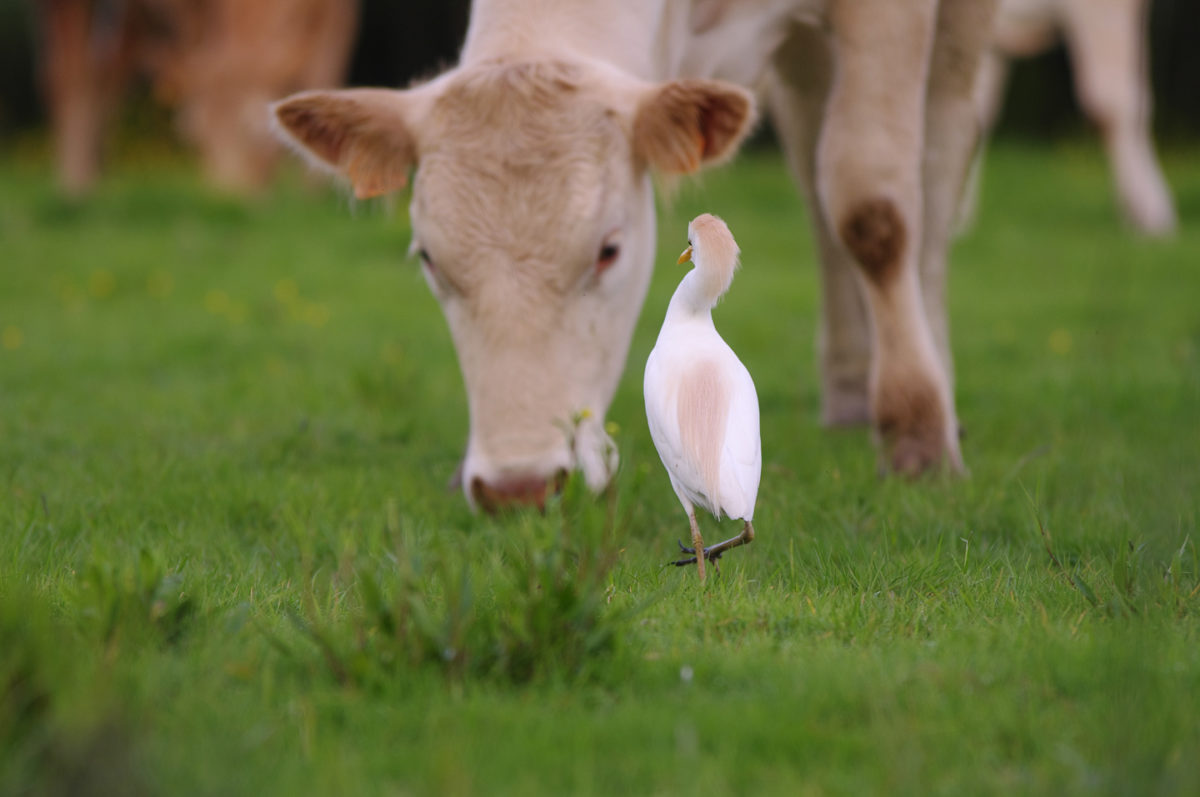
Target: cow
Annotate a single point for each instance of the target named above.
(216, 61)
(1106, 40)
(532, 207)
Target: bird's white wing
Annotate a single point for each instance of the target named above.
(741, 461)
(660, 407)
(661, 391)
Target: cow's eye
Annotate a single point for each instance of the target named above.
(608, 255)
(443, 286)
(430, 266)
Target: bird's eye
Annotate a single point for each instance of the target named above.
(608, 255)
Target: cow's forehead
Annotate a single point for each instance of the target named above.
(542, 96)
(529, 145)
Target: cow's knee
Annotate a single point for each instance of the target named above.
(874, 232)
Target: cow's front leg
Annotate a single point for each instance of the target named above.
(797, 90)
(869, 171)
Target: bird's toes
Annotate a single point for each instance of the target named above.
(683, 548)
(684, 562)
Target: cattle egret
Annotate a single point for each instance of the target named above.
(700, 400)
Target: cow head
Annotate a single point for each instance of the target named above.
(533, 217)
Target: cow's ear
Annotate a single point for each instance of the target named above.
(362, 134)
(684, 124)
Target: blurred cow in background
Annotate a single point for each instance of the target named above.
(1107, 42)
(216, 61)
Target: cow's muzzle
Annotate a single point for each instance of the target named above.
(513, 493)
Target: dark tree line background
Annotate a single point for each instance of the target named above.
(401, 40)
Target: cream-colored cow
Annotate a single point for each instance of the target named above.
(533, 214)
(1107, 43)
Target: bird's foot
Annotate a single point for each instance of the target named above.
(713, 553)
(684, 549)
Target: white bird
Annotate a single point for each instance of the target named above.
(700, 400)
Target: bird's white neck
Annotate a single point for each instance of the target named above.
(696, 296)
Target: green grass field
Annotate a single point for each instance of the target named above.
(229, 563)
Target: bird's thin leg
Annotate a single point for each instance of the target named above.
(713, 552)
(697, 545)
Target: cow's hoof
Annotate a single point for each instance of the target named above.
(912, 458)
(846, 417)
(914, 435)
(1153, 215)
(845, 409)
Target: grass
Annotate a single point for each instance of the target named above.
(229, 563)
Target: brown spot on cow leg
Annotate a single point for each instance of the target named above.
(910, 422)
(875, 234)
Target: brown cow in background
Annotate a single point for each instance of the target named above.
(217, 62)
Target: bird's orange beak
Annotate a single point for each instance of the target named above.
(686, 256)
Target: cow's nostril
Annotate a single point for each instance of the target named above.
(516, 492)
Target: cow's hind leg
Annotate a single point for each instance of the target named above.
(73, 92)
(1107, 45)
(990, 83)
(86, 60)
(952, 136)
